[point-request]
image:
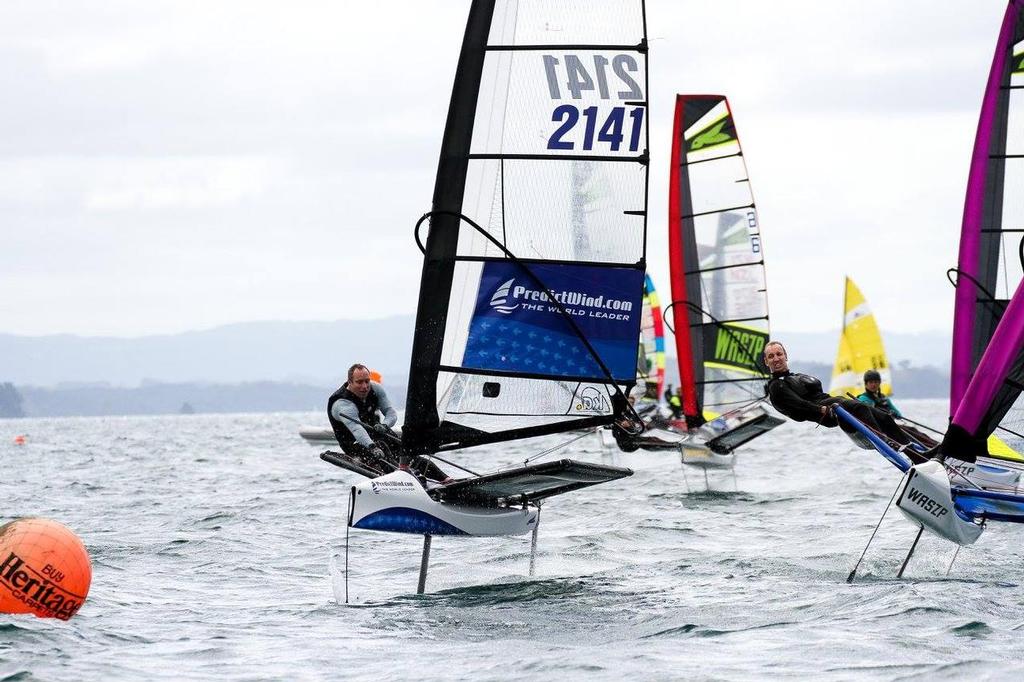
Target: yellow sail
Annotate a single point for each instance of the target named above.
(860, 347)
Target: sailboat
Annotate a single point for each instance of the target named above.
(719, 300)
(528, 317)
(650, 377)
(860, 347)
(651, 358)
(987, 369)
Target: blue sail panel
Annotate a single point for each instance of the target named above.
(518, 328)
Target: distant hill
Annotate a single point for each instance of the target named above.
(315, 353)
(277, 366)
(89, 400)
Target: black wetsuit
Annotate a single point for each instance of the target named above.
(800, 397)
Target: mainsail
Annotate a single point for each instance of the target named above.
(719, 303)
(650, 367)
(530, 298)
(991, 260)
(860, 347)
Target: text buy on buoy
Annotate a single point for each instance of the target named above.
(44, 569)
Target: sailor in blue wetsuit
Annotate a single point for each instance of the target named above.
(362, 416)
(873, 395)
(801, 398)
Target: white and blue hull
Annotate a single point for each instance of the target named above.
(397, 503)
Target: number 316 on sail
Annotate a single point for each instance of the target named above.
(581, 128)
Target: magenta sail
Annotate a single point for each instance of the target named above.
(977, 307)
(994, 388)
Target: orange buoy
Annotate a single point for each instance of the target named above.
(44, 569)
(19, 440)
(375, 376)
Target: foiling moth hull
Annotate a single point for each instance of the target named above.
(927, 499)
(397, 503)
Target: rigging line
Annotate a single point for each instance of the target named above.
(742, 407)
(923, 426)
(722, 326)
(950, 470)
(996, 306)
(551, 297)
(853, 573)
(557, 447)
(457, 466)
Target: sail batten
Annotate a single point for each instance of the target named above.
(536, 326)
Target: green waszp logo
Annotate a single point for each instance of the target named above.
(740, 348)
(711, 136)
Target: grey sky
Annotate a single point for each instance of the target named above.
(178, 165)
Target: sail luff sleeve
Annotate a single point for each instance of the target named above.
(680, 310)
(993, 389)
(443, 238)
(976, 210)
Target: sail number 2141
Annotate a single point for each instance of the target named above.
(611, 129)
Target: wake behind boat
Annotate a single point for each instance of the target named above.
(529, 309)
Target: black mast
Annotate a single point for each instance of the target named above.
(443, 238)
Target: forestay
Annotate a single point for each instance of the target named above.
(545, 150)
(719, 301)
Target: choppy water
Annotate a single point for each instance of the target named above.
(212, 536)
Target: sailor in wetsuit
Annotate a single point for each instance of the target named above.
(873, 395)
(799, 397)
(355, 412)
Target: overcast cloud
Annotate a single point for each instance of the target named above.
(167, 166)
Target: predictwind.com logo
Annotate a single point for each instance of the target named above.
(509, 297)
(499, 301)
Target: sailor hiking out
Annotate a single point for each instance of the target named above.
(801, 398)
(362, 416)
